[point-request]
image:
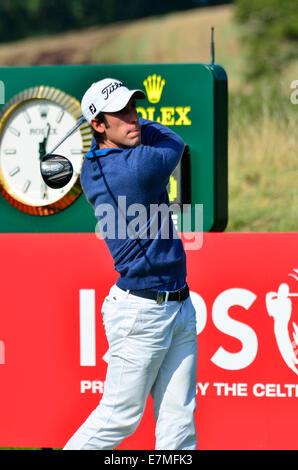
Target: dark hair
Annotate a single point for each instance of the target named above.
(97, 135)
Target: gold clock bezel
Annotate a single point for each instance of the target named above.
(70, 104)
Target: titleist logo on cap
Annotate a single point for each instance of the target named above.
(106, 91)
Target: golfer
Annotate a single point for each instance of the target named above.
(148, 315)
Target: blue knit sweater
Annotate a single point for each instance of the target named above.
(127, 188)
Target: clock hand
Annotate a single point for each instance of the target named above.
(48, 132)
(42, 151)
(43, 143)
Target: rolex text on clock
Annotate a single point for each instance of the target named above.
(31, 123)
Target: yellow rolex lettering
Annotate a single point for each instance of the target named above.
(142, 112)
(183, 119)
(167, 115)
(150, 114)
(173, 189)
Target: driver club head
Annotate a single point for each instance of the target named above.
(56, 170)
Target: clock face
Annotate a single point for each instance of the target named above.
(30, 129)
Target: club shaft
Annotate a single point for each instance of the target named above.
(71, 131)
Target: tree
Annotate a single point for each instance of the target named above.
(270, 34)
(19, 18)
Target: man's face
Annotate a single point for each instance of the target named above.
(120, 129)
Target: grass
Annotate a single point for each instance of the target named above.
(263, 140)
(263, 164)
(176, 37)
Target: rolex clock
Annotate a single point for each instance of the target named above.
(31, 123)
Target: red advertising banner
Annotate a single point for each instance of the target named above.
(53, 347)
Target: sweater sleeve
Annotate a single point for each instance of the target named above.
(158, 154)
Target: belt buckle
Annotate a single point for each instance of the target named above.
(160, 297)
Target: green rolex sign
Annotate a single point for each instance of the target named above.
(43, 103)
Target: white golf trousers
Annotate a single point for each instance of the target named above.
(152, 349)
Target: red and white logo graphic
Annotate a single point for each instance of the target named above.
(54, 352)
(280, 307)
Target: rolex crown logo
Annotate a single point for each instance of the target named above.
(154, 86)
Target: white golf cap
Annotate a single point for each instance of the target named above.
(107, 95)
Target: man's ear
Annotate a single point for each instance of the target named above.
(98, 126)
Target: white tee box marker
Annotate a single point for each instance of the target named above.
(87, 327)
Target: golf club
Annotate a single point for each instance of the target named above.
(56, 170)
